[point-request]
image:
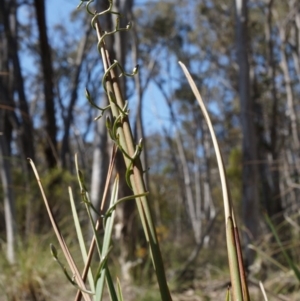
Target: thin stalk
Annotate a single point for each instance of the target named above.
(125, 140)
(239, 287)
(93, 243)
(60, 238)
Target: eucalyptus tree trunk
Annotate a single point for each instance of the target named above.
(50, 147)
(209, 207)
(289, 33)
(198, 202)
(295, 35)
(7, 187)
(294, 141)
(11, 28)
(23, 124)
(250, 199)
(5, 175)
(270, 154)
(194, 209)
(7, 121)
(295, 42)
(289, 91)
(180, 184)
(68, 118)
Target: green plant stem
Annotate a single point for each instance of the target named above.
(136, 178)
(233, 247)
(233, 261)
(93, 243)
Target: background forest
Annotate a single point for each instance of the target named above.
(244, 56)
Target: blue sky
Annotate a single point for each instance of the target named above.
(155, 112)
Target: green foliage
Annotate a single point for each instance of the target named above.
(28, 198)
(234, 173)
(158, 23)
(288, 259)
(150, 295)
(33, 276)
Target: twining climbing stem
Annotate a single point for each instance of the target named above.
(120, 132)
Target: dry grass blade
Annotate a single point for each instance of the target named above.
(239, 285)
(263, 291)
(227, 202)
(60, 238)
